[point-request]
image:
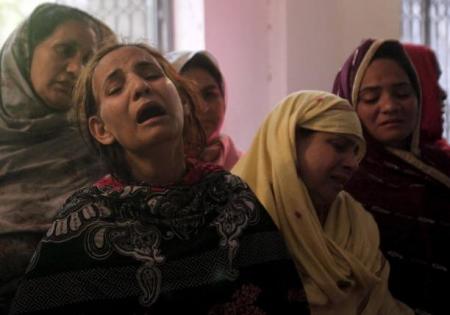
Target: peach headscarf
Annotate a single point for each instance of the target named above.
(221, 150)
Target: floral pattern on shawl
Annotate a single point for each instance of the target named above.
(134, 220)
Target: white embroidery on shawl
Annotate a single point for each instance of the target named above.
(131, 238)
(239, 213)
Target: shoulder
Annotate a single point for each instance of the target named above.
(230, 185)
(203, 172)
(83, 208)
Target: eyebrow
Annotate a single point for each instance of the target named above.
(211, 87)
(146, 63)
(112, 76)
(66, 42)
(377, 87)
(346, 139)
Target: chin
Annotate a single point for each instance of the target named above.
(331, 197)
(163, 136)
(394, 141)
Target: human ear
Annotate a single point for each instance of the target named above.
(99, 131)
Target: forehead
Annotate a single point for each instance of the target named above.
(324, 135)
(123, 58)
(201, 76)
(384, 69)
(74, 30)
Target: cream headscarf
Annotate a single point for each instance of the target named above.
(340, 263)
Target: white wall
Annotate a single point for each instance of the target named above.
(269, 48)
(189, 26)
(323, 33)
(236, 33)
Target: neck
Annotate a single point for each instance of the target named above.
(322, 210)
(162, 165)
(214, 136)
(404, 145)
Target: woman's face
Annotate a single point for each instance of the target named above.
(325, 162)
(212, 108)
(57, 62)
(387, 103)
(139, 106)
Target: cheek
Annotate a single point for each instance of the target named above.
(37, 73)
(411, 114)
(413, 111)
(113, 116)
(308, 168)
(214, 116)
(174, 102)
(220, 110)
(366, 115)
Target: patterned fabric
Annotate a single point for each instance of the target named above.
(408, 194)
(427, 67)
(42, 159)
(201, 246)
(340, 263)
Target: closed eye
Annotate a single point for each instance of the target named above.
(113, 90)
(403, 91)
(369, 95)
(369, 99)
(114, 83)
(210, 94)
(148, 71)
(86, 58)
(66, 50)
(339, 147)
(343, 145)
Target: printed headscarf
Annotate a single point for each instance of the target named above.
(43, 158)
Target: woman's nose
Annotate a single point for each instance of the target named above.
(350, 161)
(389, 103)
(141, 87)
(204, 106)
(74, 65)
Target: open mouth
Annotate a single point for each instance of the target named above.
(149, 111)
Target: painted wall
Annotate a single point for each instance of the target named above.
(236, 32)
(269, 48)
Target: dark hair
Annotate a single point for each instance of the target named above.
(394, 50)
(113, 155)
(202, 61)
(47, 17)
(303, 132)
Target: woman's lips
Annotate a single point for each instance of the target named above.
(148, 111)
(64, 86)
(392, 122)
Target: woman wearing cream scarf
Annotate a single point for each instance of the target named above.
(336, 250)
